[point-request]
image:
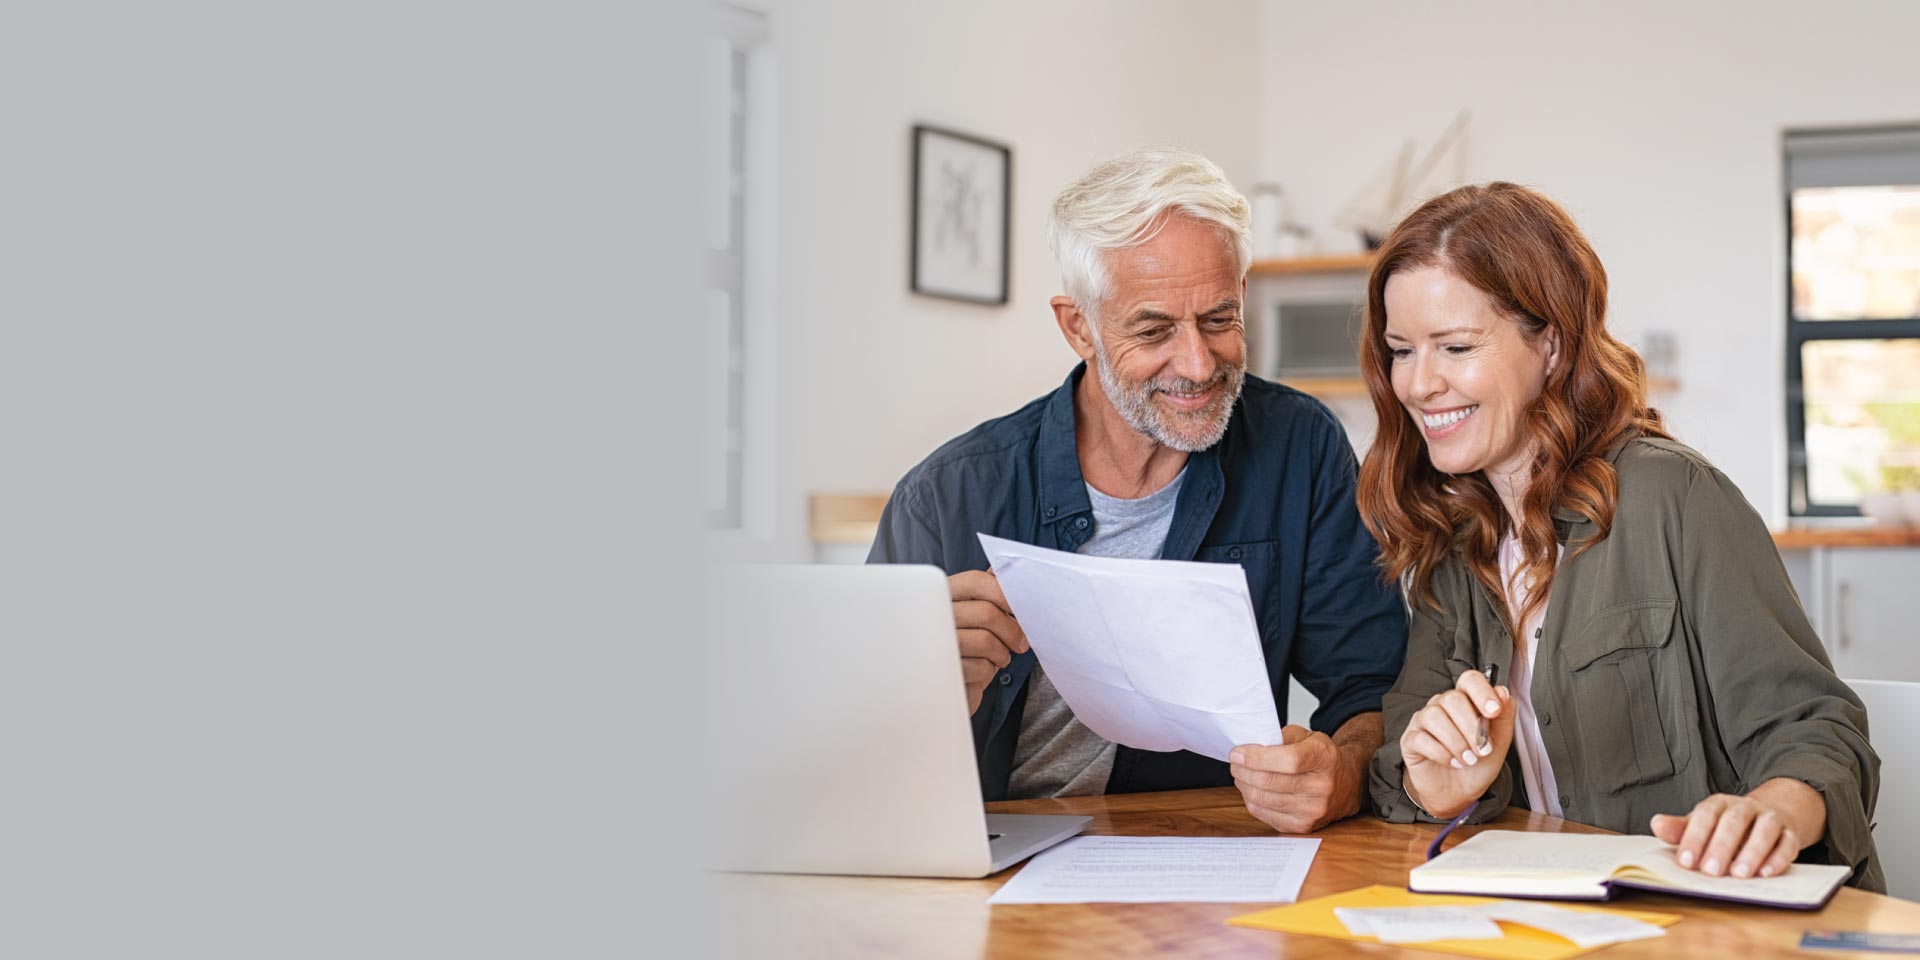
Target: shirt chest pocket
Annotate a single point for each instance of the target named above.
(1257, 558)
(1614, 662)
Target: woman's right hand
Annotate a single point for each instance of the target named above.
(1448, 763)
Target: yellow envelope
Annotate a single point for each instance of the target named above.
(1520, 943)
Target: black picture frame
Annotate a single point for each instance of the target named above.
(953, 235)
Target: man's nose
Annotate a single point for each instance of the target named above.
(1192, 358)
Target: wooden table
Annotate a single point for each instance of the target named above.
(889, 917)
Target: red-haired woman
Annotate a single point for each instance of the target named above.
(1663, 677)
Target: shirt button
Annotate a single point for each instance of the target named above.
(1052, 510)
(1546, 720)
(1006, 678)
(1081, 523)
(1565, 802)
(1233, 554)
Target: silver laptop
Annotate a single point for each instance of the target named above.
(841, 738)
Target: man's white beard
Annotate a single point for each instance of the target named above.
(1136, 405)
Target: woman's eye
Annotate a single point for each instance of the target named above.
(1459, 349)
(1401, 353)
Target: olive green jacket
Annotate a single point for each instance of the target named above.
(1674, 662)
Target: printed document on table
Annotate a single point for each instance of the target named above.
(1164, 870)
(1156, 655)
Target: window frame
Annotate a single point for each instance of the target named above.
(1801, 332)
(751, 445)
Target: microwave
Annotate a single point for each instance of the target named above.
(1317, 339)
(1307, 326)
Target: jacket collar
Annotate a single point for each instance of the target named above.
(1569, 525)
(1063, 489)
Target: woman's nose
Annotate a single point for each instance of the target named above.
(1425, 380)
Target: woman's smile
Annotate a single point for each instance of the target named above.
(1445, 423)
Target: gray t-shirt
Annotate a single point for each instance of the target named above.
(1056, 755)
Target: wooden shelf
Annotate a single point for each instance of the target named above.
(1807, 538)
(1335, 263)
(845, 517)
(1341, 387)
(1327, 388)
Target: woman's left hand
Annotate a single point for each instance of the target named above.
(1755, 835)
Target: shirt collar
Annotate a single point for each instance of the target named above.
(1063, 489)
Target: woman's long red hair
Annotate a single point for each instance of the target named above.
(1525, 253)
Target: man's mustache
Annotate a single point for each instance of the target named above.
(1184, 385)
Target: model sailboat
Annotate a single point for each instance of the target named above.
(1374, 212)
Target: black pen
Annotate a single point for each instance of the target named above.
(1492, 670)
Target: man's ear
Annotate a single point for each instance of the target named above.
(1075, 326)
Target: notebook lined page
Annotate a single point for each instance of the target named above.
(1802, 883)
(1519, 852)
(1636, 860)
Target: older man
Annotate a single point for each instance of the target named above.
(1169, 450)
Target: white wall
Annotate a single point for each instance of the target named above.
(871, 377)
(1657, 124)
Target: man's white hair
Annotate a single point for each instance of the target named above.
(1121, 203)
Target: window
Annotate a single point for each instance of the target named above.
(738, 355)
(1853, 320)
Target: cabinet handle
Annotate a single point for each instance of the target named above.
(1840, 614)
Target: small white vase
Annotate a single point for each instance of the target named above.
(1910, 505)
(1885, 509)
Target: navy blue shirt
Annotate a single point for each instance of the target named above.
(1275, 495)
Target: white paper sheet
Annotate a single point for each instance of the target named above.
(1164, 870)
(1421, 924)
(1156, 655)
(1584, 928)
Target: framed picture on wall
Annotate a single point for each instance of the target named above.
(962, 189)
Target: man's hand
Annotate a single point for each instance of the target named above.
(1309, 780)
(989, 636)
(1755, 835)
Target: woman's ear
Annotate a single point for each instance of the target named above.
(1553, 350)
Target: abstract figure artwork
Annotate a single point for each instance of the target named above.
(961, 191)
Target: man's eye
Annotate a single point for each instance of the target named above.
(1154, 333)
(1223, 322)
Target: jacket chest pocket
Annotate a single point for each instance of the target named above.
(1619, 722)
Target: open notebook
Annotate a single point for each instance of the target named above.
(1562, 866)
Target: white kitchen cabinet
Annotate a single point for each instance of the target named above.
(1873, 612)
(1865, 604)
